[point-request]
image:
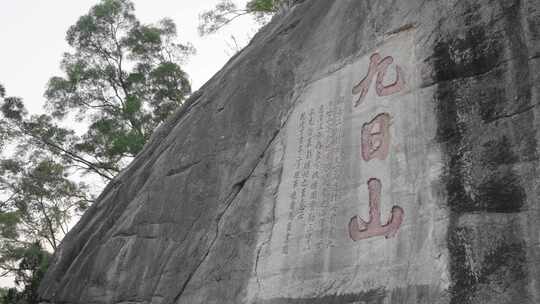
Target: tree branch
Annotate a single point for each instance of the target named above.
(49, 223)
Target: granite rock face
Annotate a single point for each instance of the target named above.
(355, 152)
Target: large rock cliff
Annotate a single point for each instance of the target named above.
(354, 152)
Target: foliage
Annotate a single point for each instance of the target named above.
(5, 131)
(10, 296)
(32, 267)
(42, 132)
(123, 78)
(37, 202)
(37, 198)
(41, 200)
(226, 11)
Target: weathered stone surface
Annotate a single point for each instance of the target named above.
(354, 152)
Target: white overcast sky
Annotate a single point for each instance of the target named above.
(32, 41)
(32, 34)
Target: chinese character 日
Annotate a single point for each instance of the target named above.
(360, 229)
(376, 138)
(379, 66)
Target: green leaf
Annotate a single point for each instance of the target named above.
(262, 6)
(13, 108)
(8, 224)
(132, 105)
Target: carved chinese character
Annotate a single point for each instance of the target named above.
(376, 138)
(360, 229)
(379, 66)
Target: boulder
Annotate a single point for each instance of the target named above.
(354, 152)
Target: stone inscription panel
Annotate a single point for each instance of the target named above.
(358, 159)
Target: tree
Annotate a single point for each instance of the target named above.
(227, 11)
(37, 201)
(10, 296)
(41, 201)
(32, 267)
(123, 78)
(41, 131)
(4, 128)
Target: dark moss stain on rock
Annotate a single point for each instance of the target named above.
(492, 99)
(450, 136)
(461, 271)
(374, 296)
(458, 199)
(500, 190)
(468, 56)
(498, 101)
(525, 143)
(498, 152)
(533, 25)
(500, 193)
(504, 264)
(476, 86)
(450, 133)
(448, 126)
(515, 34)
(498, 265)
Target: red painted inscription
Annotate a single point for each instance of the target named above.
(379, 66)
(376, 138)
(360, 229)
